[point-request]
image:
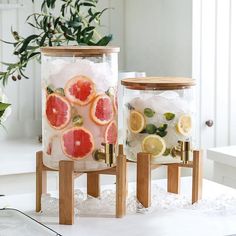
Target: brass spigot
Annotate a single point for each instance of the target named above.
(106, 154)
(183, 149)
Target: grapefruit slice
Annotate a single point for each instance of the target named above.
(58, 111)
(77, 143)
(102, 110)
(111, 133)
(80, 90)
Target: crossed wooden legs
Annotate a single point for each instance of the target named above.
(144, 169)
(66, 185)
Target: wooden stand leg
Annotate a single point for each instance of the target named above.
(66, 192)
(41, 180)
(144, 179)
(173, 178)
(93, 184)
(197, 176)
(121, 183)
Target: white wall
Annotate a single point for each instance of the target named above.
(158, 36)
(214, 53)
(154, 36)
(24, 96)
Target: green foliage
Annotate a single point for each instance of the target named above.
(149, 112)
(169, 116)
(76, 24)
(3, 107)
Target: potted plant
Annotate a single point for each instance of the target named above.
(77, 23)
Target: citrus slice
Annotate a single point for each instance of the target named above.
(111, 133)
(154, 145)
(58, 111)
(77, 143)
(102, 110)
(80, 90)
(136, 121)
(184, 125)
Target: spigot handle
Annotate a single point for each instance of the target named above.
(184, 145)
(180, 142)
(181, 145)
(109, 151)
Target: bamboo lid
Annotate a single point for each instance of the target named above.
(158, 83)
(78, 50)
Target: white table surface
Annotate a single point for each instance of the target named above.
(18, 156)
(224, 155)
(158, 223)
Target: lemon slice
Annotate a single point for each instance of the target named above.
(154, 145)
(136, 122)
(184, 125)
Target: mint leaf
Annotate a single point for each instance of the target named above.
(169, 116)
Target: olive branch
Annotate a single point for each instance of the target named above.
(76, 24)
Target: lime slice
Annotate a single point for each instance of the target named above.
(151, 129)
(169, 116)
(77, 120)
(149, 112)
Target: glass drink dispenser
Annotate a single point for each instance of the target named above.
(79, 86)
(159, 115)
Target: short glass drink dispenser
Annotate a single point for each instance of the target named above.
(159, 117)
(79, 86)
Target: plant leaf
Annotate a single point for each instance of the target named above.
(104, 41)
(27, 41)
(4, 106)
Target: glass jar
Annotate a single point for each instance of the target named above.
(79, 86)
(159, 112)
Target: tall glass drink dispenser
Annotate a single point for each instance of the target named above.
(79, 86)
(159, 117)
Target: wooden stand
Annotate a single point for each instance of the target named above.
(66, 185)
(144, 169)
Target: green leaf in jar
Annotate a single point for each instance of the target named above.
(77, 120)
(144, 131)
(163, 127)
(129, 106)
(167, 152)
(162, 133)
(60, 91)
(173, 152)
(49, 89)
(149, 112)
(169, 115)
(110, 92)
(151, 129)
(127, 143)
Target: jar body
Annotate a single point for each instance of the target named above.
(79, 107)
(155, 120)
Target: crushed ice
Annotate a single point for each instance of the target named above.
(161, 200)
